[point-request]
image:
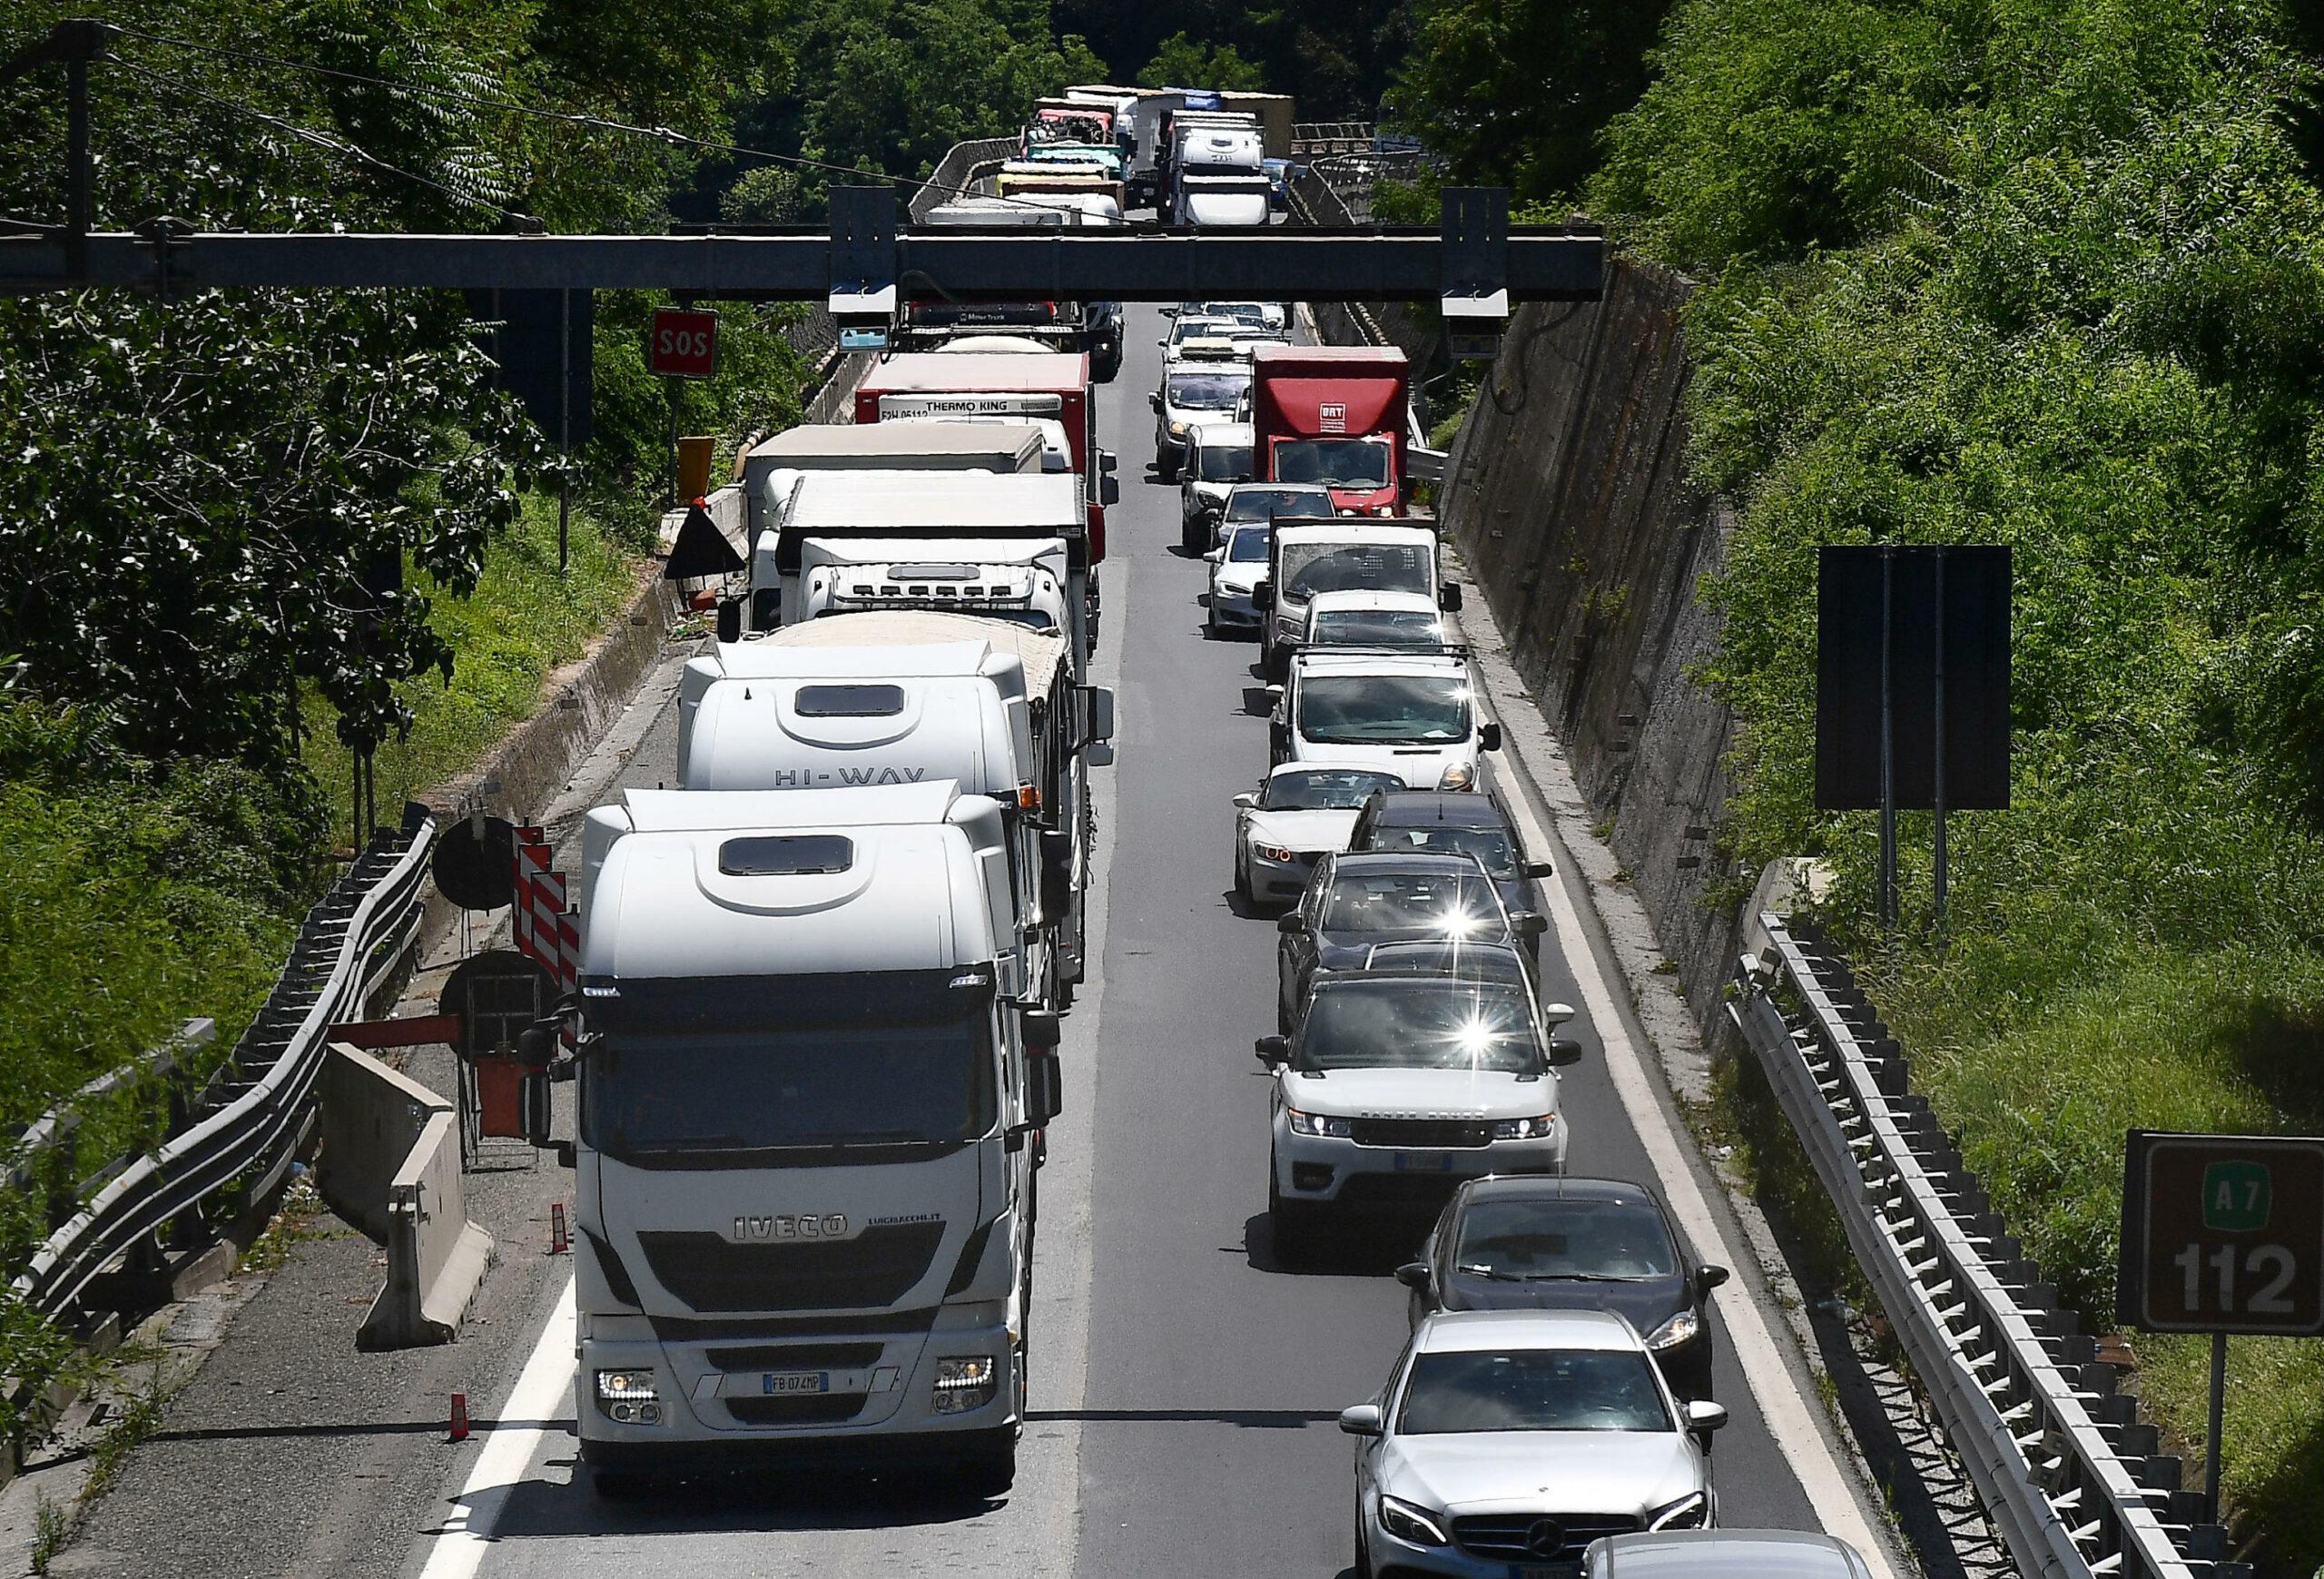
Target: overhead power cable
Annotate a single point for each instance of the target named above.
(667, 134)
(307, 135)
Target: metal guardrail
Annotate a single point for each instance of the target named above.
(963, 166)
(248, 1122)
(2070, 1476)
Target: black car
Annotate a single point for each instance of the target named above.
(1354, 903)
(1453, 822)
(1536, 1242)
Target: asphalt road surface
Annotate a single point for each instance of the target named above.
(1184, 1384)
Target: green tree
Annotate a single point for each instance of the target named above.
(1181, 61)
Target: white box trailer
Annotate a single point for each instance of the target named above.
(996, 445)
(1139, 117)
(914, 696)
(839, 518)
(810, 1113)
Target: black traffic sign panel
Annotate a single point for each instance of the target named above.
(496, 994)
(2223, 1233)
(475, 863)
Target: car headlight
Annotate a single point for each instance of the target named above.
(965, 1382)
(1278, 853)
(628, 1398)
(1525, 1129)
(1680, 1328)
(1691, 1512)
(1459, 776)
(1323, 1124)
(1407, 1522)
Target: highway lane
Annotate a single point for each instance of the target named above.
(1184, 1384)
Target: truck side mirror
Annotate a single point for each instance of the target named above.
(1448, 598)
(766, 608)
(1274, 1052)
(1040, 1028)
(1263, 595)
(1109, 489)
(1045, 1082)
(537, 1100)
(1107, 460)
(1489, 737)
(730, 619)
(1100, 704)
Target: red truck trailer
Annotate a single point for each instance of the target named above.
(1333, 415)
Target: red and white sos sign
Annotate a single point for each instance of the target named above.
(683, 343)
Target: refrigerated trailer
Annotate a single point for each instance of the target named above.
(809, 1108)
(997, 446)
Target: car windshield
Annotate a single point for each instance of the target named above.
(1334, 462)
(1208, 392)
(1398, 1022)
(1264, 504)
(1317, 789)
(1205, 328)
(1377, 628)
(1312, 567)
(1225, 462)
(1545, 1241)
(1248, 546)
(1542, 1389)
(1414, 904)
(698, 1065)
(1489, 845)
(1368, 709)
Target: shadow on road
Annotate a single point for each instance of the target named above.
(1371, 1247)
(736, 1503)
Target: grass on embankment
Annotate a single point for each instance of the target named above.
(522, 621)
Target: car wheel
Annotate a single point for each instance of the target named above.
(1243, 883)
(1290, 1224)
(1210, 624)
(1190, 535)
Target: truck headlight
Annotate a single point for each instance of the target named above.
(1408, 1522)
(628, 1398)
(1536, 1129)
(1177, 429)
(1688, 1513)
(965, 1382)
(1680, 1328)
(1459, 776)
(1322, 1124)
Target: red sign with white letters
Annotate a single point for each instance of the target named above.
(683, 343)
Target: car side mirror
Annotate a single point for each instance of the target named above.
(1558, 1013)
(1275, 693)
(1414, 1275)
(1448, 598)
(1290, 924)
(1274, 1052)
(1703, 1416)
(1528, 923)
(1263, 595)
(1040, 1028)
(1707, 1277)
(1216, 556)
(1154, 402)
(1539, 869)
(1248, 800)
(1489, 737)
(1363, 1420)
(537, 1100)
(1564, 1053)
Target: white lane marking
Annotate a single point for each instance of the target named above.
(1830, 1488)
(541, 1392)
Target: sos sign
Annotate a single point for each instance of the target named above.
(2223, 1233)
(683, 343)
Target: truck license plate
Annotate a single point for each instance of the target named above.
(795, 1382)
(1423, 1162)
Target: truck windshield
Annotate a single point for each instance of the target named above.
(1397, 1023)
(1208, 392)
(1312, 567)
(1225, 463)
(1368, 709)
(1332, 462)
(752, 1064)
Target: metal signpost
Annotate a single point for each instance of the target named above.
(681, 343)
(2222, 1234)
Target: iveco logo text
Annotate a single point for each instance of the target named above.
(791, 1228)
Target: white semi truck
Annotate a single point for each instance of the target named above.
(910, 696)
(1000, 444)
(988, 544)
(812, 1092)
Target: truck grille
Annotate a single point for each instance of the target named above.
(1429, 1134)
(1535, 1537)
(877, 1268)
(817, 1409)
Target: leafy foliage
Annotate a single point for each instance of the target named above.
(1335, 56)
(1181, 61)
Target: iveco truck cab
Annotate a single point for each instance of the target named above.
(918, 697)
(811, 1096)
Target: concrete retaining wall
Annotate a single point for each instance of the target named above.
(1566, 498)
(390, 1165)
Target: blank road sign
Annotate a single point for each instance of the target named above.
(1974, 621)
(2223, 1233)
